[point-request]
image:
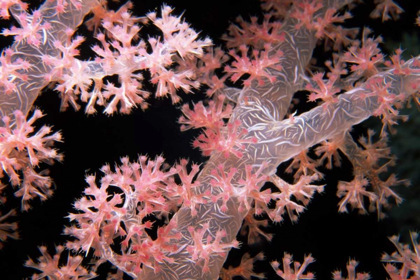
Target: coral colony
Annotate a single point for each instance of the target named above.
(151, 220)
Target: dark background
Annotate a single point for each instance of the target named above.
(92, 141)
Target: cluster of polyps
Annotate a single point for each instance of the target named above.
(245, 144)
